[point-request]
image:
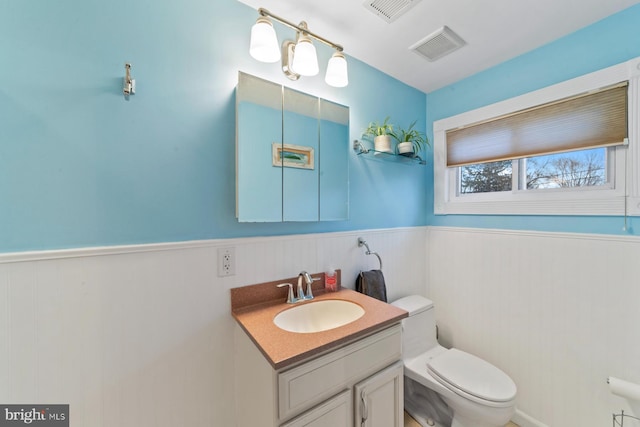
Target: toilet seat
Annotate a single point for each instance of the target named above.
(472, 378)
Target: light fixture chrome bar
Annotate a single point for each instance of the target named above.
(301, 28)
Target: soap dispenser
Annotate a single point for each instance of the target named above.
(330, 280)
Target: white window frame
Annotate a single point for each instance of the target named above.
(621, 198)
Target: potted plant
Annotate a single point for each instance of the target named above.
(381, 134)
(410, 140)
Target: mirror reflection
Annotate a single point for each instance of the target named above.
(291, 154)
(334, 177)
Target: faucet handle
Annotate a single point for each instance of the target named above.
(309, 294)
(290, 297)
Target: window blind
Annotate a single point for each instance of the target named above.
(590, 120)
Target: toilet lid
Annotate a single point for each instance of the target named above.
(472, 375)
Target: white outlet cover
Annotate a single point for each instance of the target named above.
(226, 262)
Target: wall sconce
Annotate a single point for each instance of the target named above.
(298, 58)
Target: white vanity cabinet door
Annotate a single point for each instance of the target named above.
(336, 412)
(380, 399)
(306, 385)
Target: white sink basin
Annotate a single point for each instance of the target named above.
(318, 316)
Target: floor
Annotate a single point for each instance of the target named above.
(410, 422)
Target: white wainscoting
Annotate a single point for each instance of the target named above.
(143, 335)
(558, 312)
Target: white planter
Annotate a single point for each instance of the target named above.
(405, 148)
(382, 143)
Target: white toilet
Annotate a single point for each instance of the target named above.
(478, 393)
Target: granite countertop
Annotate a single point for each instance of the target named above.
(255, 306)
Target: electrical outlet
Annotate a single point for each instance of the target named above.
(226, 262)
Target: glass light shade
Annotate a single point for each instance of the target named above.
(337, 75)
(305, 60)
(264, 43)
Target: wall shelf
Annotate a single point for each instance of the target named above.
(370, 153)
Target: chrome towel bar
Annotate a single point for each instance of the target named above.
(362, 242)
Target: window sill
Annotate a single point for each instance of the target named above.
(551, 204)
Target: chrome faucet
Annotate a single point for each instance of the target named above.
(291, 298)
(309, 280)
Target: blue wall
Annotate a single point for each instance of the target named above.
(80, 166)
(608, 42)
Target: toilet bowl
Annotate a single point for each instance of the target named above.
(478, 393)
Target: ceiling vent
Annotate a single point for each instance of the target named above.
(438, 44)
(389, 10)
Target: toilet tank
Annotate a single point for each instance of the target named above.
(419, 329)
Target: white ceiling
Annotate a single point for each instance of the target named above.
(495, 31)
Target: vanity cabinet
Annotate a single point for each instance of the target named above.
(358, 384)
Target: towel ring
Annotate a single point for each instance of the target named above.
(362, 242)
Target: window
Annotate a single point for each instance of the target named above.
(585, 168)
(486, 177)
(571, 170)
(561, 150)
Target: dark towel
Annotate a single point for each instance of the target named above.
(372, 283)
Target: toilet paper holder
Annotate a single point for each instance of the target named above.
(623, 388)
(627, 390)
(618, 419)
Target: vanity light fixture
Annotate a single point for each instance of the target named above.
(299, 58)
(337, 71)
(264, 43)
(305, 59)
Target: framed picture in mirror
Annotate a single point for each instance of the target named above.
(292, 156)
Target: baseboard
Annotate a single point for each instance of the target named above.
(524, 420)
